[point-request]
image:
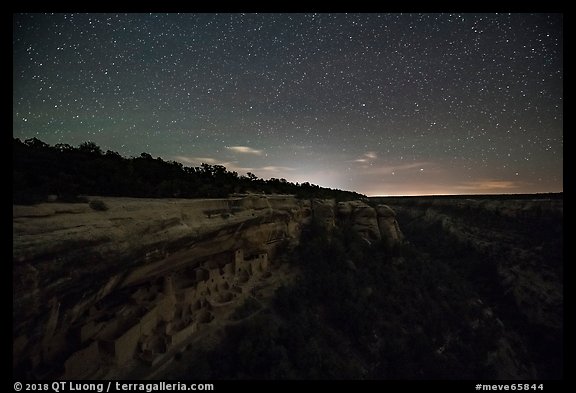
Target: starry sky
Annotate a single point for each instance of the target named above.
(381, 104)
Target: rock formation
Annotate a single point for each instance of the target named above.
(371, 223)
(389, 228)
(96, 292)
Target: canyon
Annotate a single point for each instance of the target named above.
(409, 287)
(511, 250)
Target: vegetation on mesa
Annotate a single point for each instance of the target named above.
(66, 171)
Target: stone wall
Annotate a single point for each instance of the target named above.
(181, 311)
(176, 260)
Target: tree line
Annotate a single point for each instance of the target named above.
(69, 172)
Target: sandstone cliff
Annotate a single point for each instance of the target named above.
(96, 291)
(371, 223)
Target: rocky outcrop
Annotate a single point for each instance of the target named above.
(388, 225)
(323, 211)
(371, 223)
(70, 261)
(96, 290)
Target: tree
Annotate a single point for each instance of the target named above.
(64, 147)
(90, 148)
(35, 143)
(40, 169)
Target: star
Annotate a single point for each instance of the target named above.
(464, 96)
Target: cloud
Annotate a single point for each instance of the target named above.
(392, 169)
(275, 168)
(245, 150)
(367, 157)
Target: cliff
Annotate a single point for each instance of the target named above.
(97, 293)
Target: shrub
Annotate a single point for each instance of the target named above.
(97, 204)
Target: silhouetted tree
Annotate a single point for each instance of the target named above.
(40, 169)
(90, 148)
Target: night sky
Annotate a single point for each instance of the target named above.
(382, 104)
